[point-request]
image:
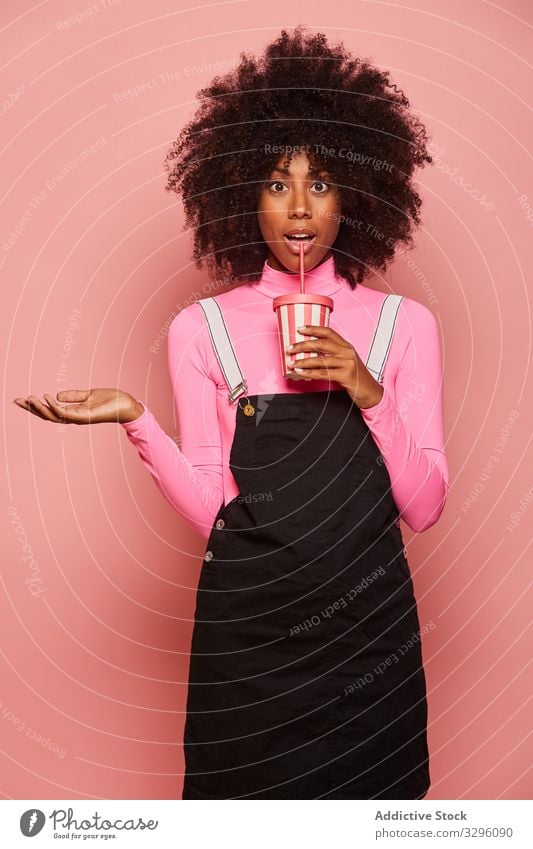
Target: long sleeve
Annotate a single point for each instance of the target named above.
(408, 425)
(189, 477)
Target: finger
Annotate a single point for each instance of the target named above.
(65, 414)
(319, 330)
(325, 345)
(73, 395)
(42, 410)
(314, 374)
(21, 402)
(319, 362)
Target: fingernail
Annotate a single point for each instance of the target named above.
(303, 327)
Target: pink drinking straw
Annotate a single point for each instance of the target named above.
(302, 283)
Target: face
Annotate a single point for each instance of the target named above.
(296, 199)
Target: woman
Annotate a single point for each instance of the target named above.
(306, 678)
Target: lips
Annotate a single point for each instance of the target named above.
(294, 243)
(300, 231)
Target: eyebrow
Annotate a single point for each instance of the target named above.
(310, 172)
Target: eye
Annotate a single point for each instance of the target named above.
(272, 183)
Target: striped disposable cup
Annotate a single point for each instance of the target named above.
(295, 311)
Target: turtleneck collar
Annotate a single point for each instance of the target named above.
(321, 279)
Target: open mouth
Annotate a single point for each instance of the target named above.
(293, 239)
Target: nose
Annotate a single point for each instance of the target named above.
(300, 207)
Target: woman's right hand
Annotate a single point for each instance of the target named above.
(84, 406)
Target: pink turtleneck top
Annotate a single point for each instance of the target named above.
(407, 423)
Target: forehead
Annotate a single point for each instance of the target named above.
(298, 164)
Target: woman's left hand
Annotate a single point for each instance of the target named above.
(337, 360)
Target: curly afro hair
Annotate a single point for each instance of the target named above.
(353, 121)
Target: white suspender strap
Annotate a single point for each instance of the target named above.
(226, 357)
(383, 334)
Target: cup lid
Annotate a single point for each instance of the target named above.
(298, 298)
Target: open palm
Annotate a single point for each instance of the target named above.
(84, 406)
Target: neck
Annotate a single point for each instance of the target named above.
(321, 280)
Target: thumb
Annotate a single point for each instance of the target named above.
(73, 395)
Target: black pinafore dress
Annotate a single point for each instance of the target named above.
(306, 678)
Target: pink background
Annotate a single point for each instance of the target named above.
(96, 662)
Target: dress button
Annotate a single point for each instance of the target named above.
(219, 524)
(208, 555)
(397, 522)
